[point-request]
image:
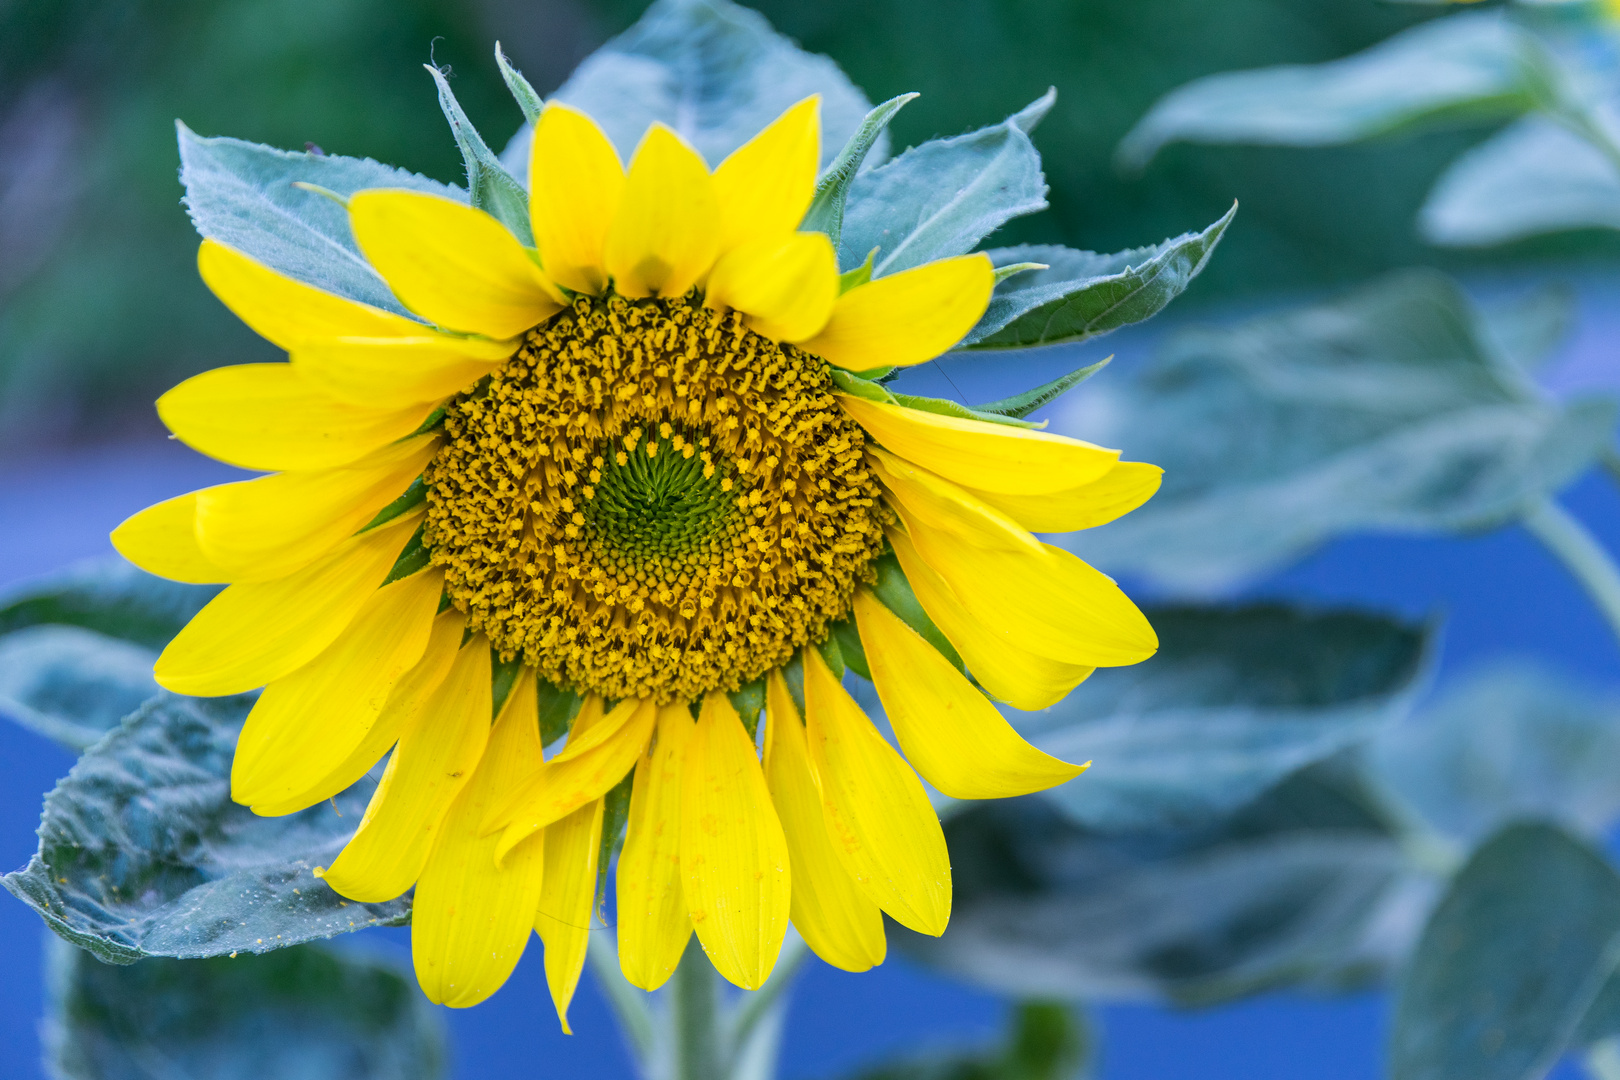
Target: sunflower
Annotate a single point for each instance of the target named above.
(537, 545)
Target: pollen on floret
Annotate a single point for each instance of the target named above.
(627, 503)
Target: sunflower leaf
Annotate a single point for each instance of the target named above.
(1082, 294)
(309, 1013)
(943, 197)
(243, 194)
(826, 213)
(523, 93)
(1021, 405)
(490, 187)
(108, 596)
(1390, 409)
(71, 684)
(1511, 960)
(142, 852)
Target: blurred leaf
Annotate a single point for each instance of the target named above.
(1515, 741)
(1083, 294)
(1389, 409)
(71, 684)
(1533, 177)
(489, 186)
(1282, 891)
(716, 73)
(242, 194)
(943, 197)
(109, 596)
(143, 853)
(1465, 68)
(1510, 961)
(308, 1013)
(1529, 329)
(826, 213)
(1234, 700)
(1046, 1041)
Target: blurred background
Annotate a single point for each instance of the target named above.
(101, 310)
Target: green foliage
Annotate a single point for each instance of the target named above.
(1392, 409)
(307, 1013)
(1046, 1041)
(109, 596)
(826, 213)
(142, 852)
(71, 684)
(489, 186)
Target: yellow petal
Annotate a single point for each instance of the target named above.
(1121, 490)
(410, 695)
(396, 373)
(253, 633)
(839, 922)
(289, 313)
(434, 760)
(980, 455)
(575, 186)
(877, 813)
(560, 788)
(1022, 679)
(306, 724)
(733, 854)
(784, 284)
(653, 924)
(949, 731)
(263, 529)
(566, 897)
(906, 318)
(592, 727)
(265, 416)
(1048, 602)
(162, 540)
(451, 263)
(666, 233)
(469, 918)
(939, 504)
(766, 185)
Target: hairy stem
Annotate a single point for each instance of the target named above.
(694, 1017)
(1575, 546)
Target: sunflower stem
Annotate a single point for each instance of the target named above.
(694, 1017)
(629, 1004)
(754, 1024)
(1582, 555)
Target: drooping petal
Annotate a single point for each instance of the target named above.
(593, 727)
(265, 416)
(162, 540)
(410, 696)
(451, 263)
(877, 813)
(653, 923)
(561, 788)
(253, 633)
(766, 184)
(906, 318)
(939, 504)
(1013, 674)
(306, 724)
(263, 529)
(289, 313)
(839, 922)
(434, 760)
(980, 455)
(564, 917)
(785, 284)
(733, 854)
(1121, 490)
(576, 183)
(949, 731)
(470, 919)
(396, 373)
(665, 235)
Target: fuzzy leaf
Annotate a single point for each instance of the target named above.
(71, 684)
(489, 186)
(826, 213)
(1021, 405)
(109, 596)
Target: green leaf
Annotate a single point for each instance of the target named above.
(489, 186)
(1281, 892)
(943, 197)
(1046, 1040)
(615, 815)
(853, 383)
(143, 853)
(558, 707)
(1509, 962)
(1083, 295)
(524, 94)
(850, 647)
(1532, 178)
(748, 701)
(1234, 700)
(826, 213)
(715, 72)
(503, 678)
(242, 194)
(1021, 405)
(71, 684)
(1513, 741)
(309, 1013)
(109, 596)
(1466, 68)
(894, 590)
(1390, 409)
(1527, 330)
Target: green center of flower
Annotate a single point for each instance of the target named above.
(663, 500)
